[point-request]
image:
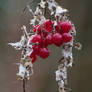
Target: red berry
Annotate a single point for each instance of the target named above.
(48, 22)
(37, 28)
(45, 33)
(48, 39)
(58, 29)
(67, 37)
(43, 44)
(57, 39)
(31, 38)
(48, 25)
(37, 38)
(48, 28)
(44, 53)
(66, 26)
(59, 22)
(33, 56)
(36, 49)
(34, 59)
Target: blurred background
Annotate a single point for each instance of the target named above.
(43, 80)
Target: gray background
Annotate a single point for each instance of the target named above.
(43, 80)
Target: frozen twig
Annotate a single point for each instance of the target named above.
(60, 15)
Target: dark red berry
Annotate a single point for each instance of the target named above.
(66, 26)
(36, 49)
(67, 37)
(44, 53)
(58, 29)
(57, 39)
(43, 44)
(45, 33)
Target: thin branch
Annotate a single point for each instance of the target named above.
(24, 90)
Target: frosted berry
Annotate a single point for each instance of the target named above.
(44, 53)
(57, 39)
(66, 26)
(67, 37)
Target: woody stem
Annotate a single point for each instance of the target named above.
(24, 85)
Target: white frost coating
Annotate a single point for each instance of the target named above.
(61, 84)
(25, 31)
(38, 16)
(55, 23)
(52, 4)
(22, 71)
(42, 4)
(32, 22)
(26, 47)
(58, 75)
(28, 52)
(18, 45)
(38, 11)
(60, 10)
(43, 19)
(66, 54)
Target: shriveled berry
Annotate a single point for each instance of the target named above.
(66, 26)
(57, 39)
(48, 39)
(67, 37)
(44, 53)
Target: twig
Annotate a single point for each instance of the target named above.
(24, 85)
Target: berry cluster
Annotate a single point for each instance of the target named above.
(47, 34)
